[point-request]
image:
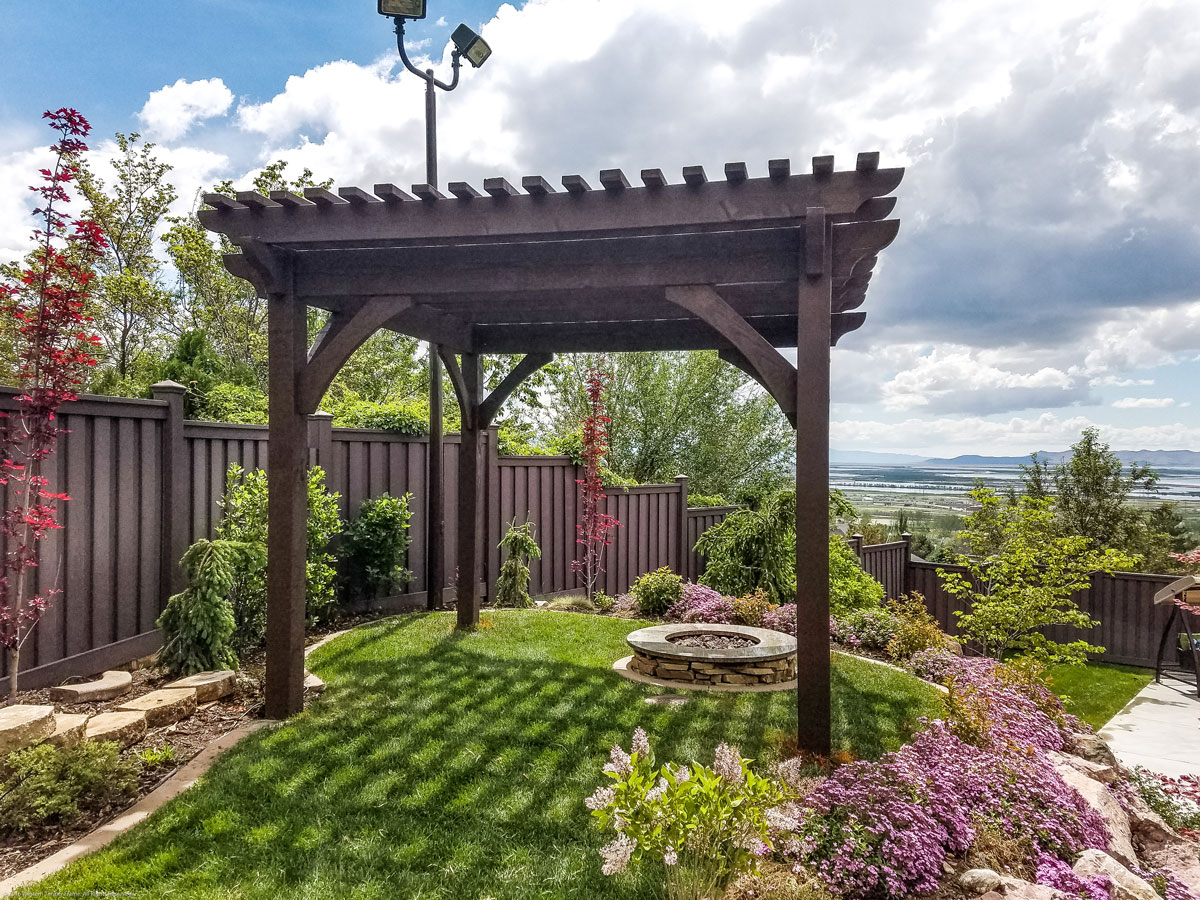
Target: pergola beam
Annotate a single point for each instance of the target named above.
(755, 200)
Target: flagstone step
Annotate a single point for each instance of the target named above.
(22, 724)
(69, 728)
(124, 727)
(108, 686)
(164, 706)
(208, 685)
(313, 683)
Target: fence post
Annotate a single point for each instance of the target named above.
(856, 544)
(684, 550)
(320, 439)
(174, 476)
(906, 563)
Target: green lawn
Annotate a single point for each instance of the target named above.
(448, 765)
(1098, 691)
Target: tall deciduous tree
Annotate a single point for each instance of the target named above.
(682, 413)
(224, 307)
(131, 303)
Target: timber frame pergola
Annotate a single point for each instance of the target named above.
(742, 266)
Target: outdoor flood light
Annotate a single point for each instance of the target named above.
(404, 9)
(470, 45)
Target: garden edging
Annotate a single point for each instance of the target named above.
(188, 775)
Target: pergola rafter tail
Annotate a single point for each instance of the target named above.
(744, 266)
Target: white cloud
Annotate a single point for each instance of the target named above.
(1144, 402)
(173, 109)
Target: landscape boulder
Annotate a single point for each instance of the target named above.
(22, 725)
(1099, 798)
(1097, 771)
(1092, 748)
(1126, 885)
(69, 729)
(979, 881)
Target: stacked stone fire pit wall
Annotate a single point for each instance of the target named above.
(772, 660)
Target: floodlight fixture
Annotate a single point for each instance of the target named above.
(471, 45)
(404, 9)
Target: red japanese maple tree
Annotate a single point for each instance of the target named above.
(42, 309)
(594, 523)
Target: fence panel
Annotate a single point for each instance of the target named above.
(105, 561)
(887, 564)
(543, 490)
(699, 520)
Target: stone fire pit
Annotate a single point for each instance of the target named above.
(716, 657)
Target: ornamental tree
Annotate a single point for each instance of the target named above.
(1021, 574)
(594, 523)
(42, 307)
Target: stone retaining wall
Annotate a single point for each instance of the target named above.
(748, 672)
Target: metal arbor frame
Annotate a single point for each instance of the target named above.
(742, 266)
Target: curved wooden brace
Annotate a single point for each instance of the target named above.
(774, 372)
(460, 385)
(258, 264)
(522, 370)
(344, 332)
(736, 359)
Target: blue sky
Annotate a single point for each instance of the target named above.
(1047, 273)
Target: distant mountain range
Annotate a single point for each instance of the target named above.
(1159, 458)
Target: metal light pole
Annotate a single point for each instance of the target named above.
(467, 43)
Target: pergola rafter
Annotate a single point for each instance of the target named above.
(743, 266)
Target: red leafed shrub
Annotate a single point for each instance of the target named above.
(43, 308)
(594, 523)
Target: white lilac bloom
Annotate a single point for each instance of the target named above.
(670, 857)
(682, 774)
(619, 761)
(728, 764)
(658, 790)
(641, 743)
(617, 854)
(602, 798)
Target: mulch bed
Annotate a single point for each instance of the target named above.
(185, 738)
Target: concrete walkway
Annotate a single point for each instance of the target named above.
(1159, 729)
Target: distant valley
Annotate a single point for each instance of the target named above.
(1184, 459)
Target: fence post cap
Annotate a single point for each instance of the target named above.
(168, 387)
(321, 414)
(681, 478)
(857, 534)
(906, 536)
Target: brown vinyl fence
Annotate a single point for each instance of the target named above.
(1130, 624)
(144, 484)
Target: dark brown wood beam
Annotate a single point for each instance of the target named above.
(687, 205)
(470, 494)
(287, 508)
(429, 324)
(813, 338)
(635, 336)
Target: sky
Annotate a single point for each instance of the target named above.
(1047, 272)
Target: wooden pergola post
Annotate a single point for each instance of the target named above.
(287, 505)
(812, 487)
(470, 493)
